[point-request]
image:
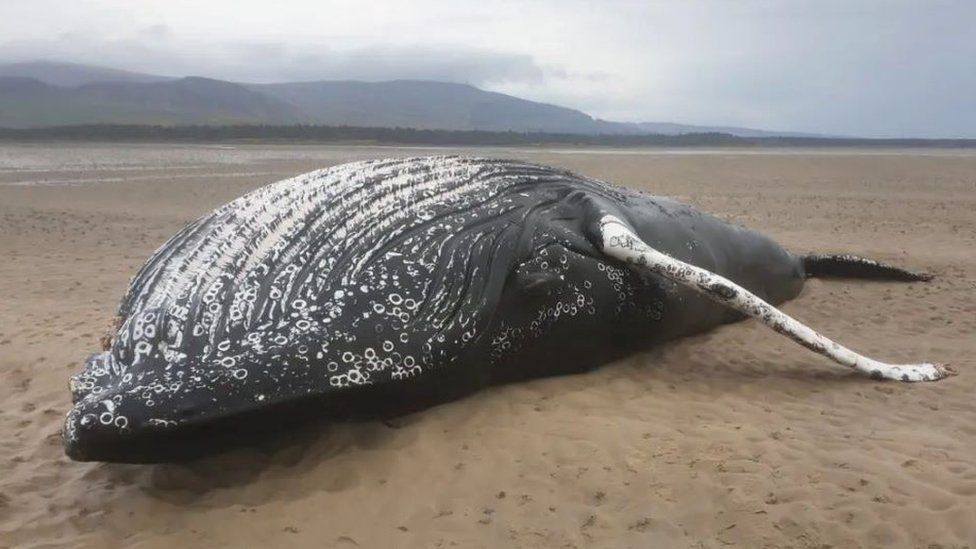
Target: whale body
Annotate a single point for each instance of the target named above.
(385, 286)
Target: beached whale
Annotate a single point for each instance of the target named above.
(385, 286)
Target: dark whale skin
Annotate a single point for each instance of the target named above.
(381, 287)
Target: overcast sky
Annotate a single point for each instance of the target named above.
(851, 67)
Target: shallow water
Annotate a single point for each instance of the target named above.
(33, 163)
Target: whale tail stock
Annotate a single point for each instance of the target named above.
(852, 266)
(620, 242)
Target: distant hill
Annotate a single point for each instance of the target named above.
(427, 105)
(667, 128)
(27, 103)
(72, 74)
(43, 94)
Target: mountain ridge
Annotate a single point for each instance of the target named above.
(43, 94)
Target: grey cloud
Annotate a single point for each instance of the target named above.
(455, 64)
(156, 31)
(153, 52)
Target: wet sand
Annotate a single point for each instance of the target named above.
(734, 438)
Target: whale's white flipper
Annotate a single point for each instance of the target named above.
(621, 243)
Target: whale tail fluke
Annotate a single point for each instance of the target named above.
(852, 266)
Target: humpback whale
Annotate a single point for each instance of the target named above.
(386, 286)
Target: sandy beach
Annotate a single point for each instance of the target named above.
(737, 437)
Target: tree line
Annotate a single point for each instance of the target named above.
(415, 136)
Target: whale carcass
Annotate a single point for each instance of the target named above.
(385, 286)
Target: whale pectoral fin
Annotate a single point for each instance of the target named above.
(620, 242)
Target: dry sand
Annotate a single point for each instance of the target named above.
(737, 437)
